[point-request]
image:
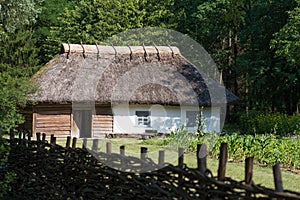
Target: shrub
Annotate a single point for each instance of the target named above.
(6, 177)
(270, 123)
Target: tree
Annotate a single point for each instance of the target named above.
(18, 60)
(262, 70)
(50, 10)
(287, 47)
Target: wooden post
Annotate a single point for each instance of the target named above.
(51, 138)
(44, 137)
(74, 142)
(38, 136)
(68, 142)
(95, 144)
(222, 162)
(84, 143)
(122, 150)
(249, 170)
(201, 157)
(277, 178)
(28, 137)
(108, 147)
(161, 158)
(180, 157)
(143, 153)
(34, 119)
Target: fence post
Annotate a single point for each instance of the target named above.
(161, 158)
(84, 143)
(201, 157)
(44, 137)
(108, 147)
(143, 153)
(68, 142)
(122, 150)
(249, 170)
(29, 137)
(95, 145)
(180, 157)
(222, 162)
(74, 142)
(38, 136)
(51, 138)
(277, 178)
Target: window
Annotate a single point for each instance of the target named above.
(191, 118)
(143, 118)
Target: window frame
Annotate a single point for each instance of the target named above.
(144, 119)
(187, 119)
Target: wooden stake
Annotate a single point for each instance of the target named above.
(108, 147)
(68, 142)
(51, 138)
(161, 158)
(143, 153)
(277, 178)
(38, 136)
(222, 162)
(95, 144)
(180, 157)
(84, 143)
(122, 150)
(74, 142)
(249, 170)
(201, 157)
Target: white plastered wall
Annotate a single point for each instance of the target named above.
(163, 118)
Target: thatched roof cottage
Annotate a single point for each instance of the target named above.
(91, 91)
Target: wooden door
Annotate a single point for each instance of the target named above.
(83, 120)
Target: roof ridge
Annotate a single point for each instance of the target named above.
(113, 50)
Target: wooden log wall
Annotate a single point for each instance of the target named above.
(102, 122)
(57, 119)
(27, 113)
(53, 120)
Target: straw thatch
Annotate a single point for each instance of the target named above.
(136, 75)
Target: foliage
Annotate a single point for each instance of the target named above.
(18, 62)
(182, 137)
(16, 13)
(266, 149)
(287, 40)
(274, 123)
(7, 177)
(12, 96)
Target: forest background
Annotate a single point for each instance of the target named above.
(255, 44)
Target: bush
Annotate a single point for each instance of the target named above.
(6, 177)
(270, 123)
(266, 149)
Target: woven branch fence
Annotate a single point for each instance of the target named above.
(45, 170)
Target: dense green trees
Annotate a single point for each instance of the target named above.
(255, 43)
(18, 58)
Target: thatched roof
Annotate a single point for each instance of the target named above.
(124, 74)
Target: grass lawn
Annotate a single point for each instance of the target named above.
(262, 175)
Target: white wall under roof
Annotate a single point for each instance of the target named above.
(163, 118)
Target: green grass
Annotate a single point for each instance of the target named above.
(262, 175)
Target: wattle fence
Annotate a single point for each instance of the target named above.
(45, 170)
